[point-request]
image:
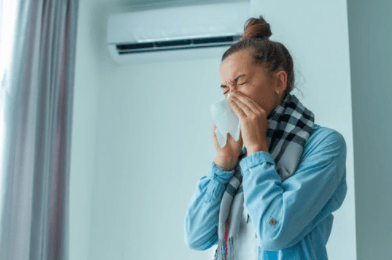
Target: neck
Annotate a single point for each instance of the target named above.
(284, 99)
(281, 102)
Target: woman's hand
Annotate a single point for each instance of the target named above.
(253, 121)
(231, 150)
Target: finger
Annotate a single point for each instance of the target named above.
(237, 108)
(249, 106)
(246, 103)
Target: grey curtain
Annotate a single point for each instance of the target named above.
(36, 112)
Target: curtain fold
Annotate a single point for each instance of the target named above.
(37, 83)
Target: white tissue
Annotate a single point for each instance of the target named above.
(226, 121)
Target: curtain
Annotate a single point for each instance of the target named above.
(37, 61)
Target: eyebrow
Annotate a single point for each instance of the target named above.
(236, 79)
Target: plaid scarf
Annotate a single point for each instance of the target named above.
(290, 126)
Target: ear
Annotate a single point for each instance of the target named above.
(281, 83)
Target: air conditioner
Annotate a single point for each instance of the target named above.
(176, 33)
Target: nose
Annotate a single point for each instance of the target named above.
(228, 96)
(234, 91)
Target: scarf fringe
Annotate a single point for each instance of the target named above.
(228, 253)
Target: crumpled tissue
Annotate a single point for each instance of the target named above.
(226, 121)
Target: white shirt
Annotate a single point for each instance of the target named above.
(247, 247)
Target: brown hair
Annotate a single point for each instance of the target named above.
(270, 55)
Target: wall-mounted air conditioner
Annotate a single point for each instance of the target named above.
(176, 33)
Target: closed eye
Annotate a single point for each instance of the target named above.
(228, 91)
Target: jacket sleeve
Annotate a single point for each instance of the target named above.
(285, 212)
(202, 215)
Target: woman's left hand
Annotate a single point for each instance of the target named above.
(253, 120)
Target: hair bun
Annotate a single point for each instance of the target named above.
(256, 28)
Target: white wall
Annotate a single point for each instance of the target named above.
(142, 134)
(83, 162)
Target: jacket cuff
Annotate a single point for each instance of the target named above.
(255, 159)
(217, 173)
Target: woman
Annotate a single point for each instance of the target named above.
(271, 194)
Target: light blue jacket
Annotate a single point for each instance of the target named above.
(301, 206)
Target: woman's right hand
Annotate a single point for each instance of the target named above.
(231, 150)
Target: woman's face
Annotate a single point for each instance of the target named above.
(254, 83)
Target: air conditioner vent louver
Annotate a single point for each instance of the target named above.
(177, 44)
